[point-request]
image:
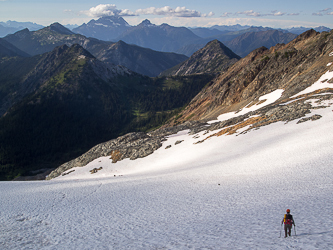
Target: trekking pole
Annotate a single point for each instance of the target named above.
(295, 229)
(280, 231)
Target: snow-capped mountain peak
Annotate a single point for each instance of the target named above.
(105, 28)
(146, 23)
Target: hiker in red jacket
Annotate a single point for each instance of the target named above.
(288, 222)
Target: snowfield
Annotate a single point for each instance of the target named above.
(229, 192)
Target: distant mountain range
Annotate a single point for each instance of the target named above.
(180, 40)
(141, 60)
(249, 41)
(11, 27)
(183, 40)
(244, 41)
(167, 38)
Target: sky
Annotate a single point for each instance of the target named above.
(188, 13)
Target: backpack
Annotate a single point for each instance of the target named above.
(288, 219)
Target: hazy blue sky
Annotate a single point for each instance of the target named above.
(189, 13)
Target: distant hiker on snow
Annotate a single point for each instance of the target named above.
(288, 222)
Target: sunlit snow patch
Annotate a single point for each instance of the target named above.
(286, 103)
(322, 83)
(264, 101)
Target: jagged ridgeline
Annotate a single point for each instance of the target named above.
(56, 106)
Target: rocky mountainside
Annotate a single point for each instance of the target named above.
(245, 43)
(285, 72)
(162, 37)
(291, 67)
(214, 57)
(105, 28)
(45, 40)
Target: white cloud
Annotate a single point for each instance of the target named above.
(226, 14)
(252, 13)
(168, 11)
(126, 12)
(293, 14)
(249, 13)
(211, 14)
(323, 12)
(277, 13)
(102, 10)
(111, 10)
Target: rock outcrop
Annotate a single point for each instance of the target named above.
(132, 146)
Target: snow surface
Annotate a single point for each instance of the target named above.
(266, 100)
(101, 24)
(229, 192)
(320, 84)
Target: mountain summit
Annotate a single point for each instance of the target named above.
(57, 27)
(105, 28)
(214, 57)
(146, 23)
